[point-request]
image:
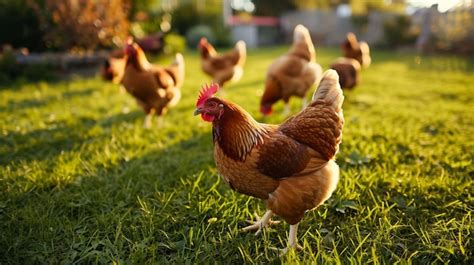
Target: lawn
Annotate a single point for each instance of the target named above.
(81, 180)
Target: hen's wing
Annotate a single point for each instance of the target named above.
(223, 61)
(163, 78)
(319, 126)
(176, 70)
(281, 157)
(307, 141)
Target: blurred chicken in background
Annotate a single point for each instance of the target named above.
(292, 74)
(223, 67)
(155, 88)
(360, 51)
(348, 70)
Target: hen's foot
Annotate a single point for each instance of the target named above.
(284, 251)
(260, 223)
(292, 241)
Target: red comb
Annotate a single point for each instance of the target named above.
(206, 92)
(129, 46)
(202, 41)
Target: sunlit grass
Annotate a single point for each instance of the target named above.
(82, 181)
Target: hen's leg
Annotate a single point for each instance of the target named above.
(292, 240)
(148, 119)
(292, 237)
(147, 122)
(160, 117)
(261, 223)
(287, 109)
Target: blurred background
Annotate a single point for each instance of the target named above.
(66, 33)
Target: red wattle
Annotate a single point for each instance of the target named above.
(207, 117)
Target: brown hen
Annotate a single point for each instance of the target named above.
(348, 70)
(292, 74)
(223, 67)
(155, 88)
(360, 51)
(290, 166)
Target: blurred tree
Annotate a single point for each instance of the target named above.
(145, 16)
(358, 7)
(83, 24)
(398, 31)
(318, 4)
(147, 6)
(20, 26)
(193, 13)
(363, 7)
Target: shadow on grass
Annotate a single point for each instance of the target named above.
(79, 221)
(25, 104)
(48, 143)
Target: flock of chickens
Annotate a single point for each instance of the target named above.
(291, 166)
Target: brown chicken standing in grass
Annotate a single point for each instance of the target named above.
(223, 67)
(360, 51)
(348, 70)
(290, 166)
(155, 88)
(292, 74)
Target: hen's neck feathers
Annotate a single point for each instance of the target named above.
(139, 61)
(208, 51)
(237, 133)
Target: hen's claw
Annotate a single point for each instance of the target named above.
(284, 251)
(258, 225)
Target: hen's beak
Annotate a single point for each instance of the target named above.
(197, 112)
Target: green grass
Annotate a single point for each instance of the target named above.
(82, 182)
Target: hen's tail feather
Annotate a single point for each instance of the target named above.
(177, 69)
(241, 48)
(301, 33)
(329, 90)
(364, 48)
(302, 43)
(179, 61)
(352, 40)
